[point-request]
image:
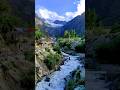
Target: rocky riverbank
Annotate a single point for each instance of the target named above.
(58, 79)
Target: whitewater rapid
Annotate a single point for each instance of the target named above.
(57, 79)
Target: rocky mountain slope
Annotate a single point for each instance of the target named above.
(77, 24)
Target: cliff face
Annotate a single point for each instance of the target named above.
(43, 48)
(77, 24)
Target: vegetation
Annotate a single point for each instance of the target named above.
(71, 41)
(70, 34)
(75, 81)
(52, 60)
(38, 33)
(56, 48)
(70, 85)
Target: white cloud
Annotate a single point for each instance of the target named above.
(51, 15)
(80, 9)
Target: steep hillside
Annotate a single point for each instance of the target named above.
(77, 24)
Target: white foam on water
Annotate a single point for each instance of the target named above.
(57, 79)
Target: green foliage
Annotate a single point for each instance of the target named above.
(66, 34)
(75, 81)
(47, 49)
(64, 42)
(56, 48)
(67, 42)
(70, 85)
(38, 34)
(70, 34)
(52, 60)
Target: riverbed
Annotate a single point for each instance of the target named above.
(57, 80)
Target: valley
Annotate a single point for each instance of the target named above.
(59, 56)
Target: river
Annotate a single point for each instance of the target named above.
(57, 80)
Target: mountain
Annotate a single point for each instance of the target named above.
(60, 22)
(77, 24)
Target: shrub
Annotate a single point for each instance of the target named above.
(52, 60)
(38, 34)
(57, 48)
(47, 49)
(70, 85)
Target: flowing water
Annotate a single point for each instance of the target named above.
(57, 80)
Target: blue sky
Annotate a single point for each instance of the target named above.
(59, 9)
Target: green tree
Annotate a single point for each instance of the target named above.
(73, 34)
(66, 34)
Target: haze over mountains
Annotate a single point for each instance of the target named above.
(57, 27)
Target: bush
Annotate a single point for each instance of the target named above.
(70, 85)
(52, 60)
(75, 81)
(47, 49)
(38, 34)
(57, 48)
(70, 34)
